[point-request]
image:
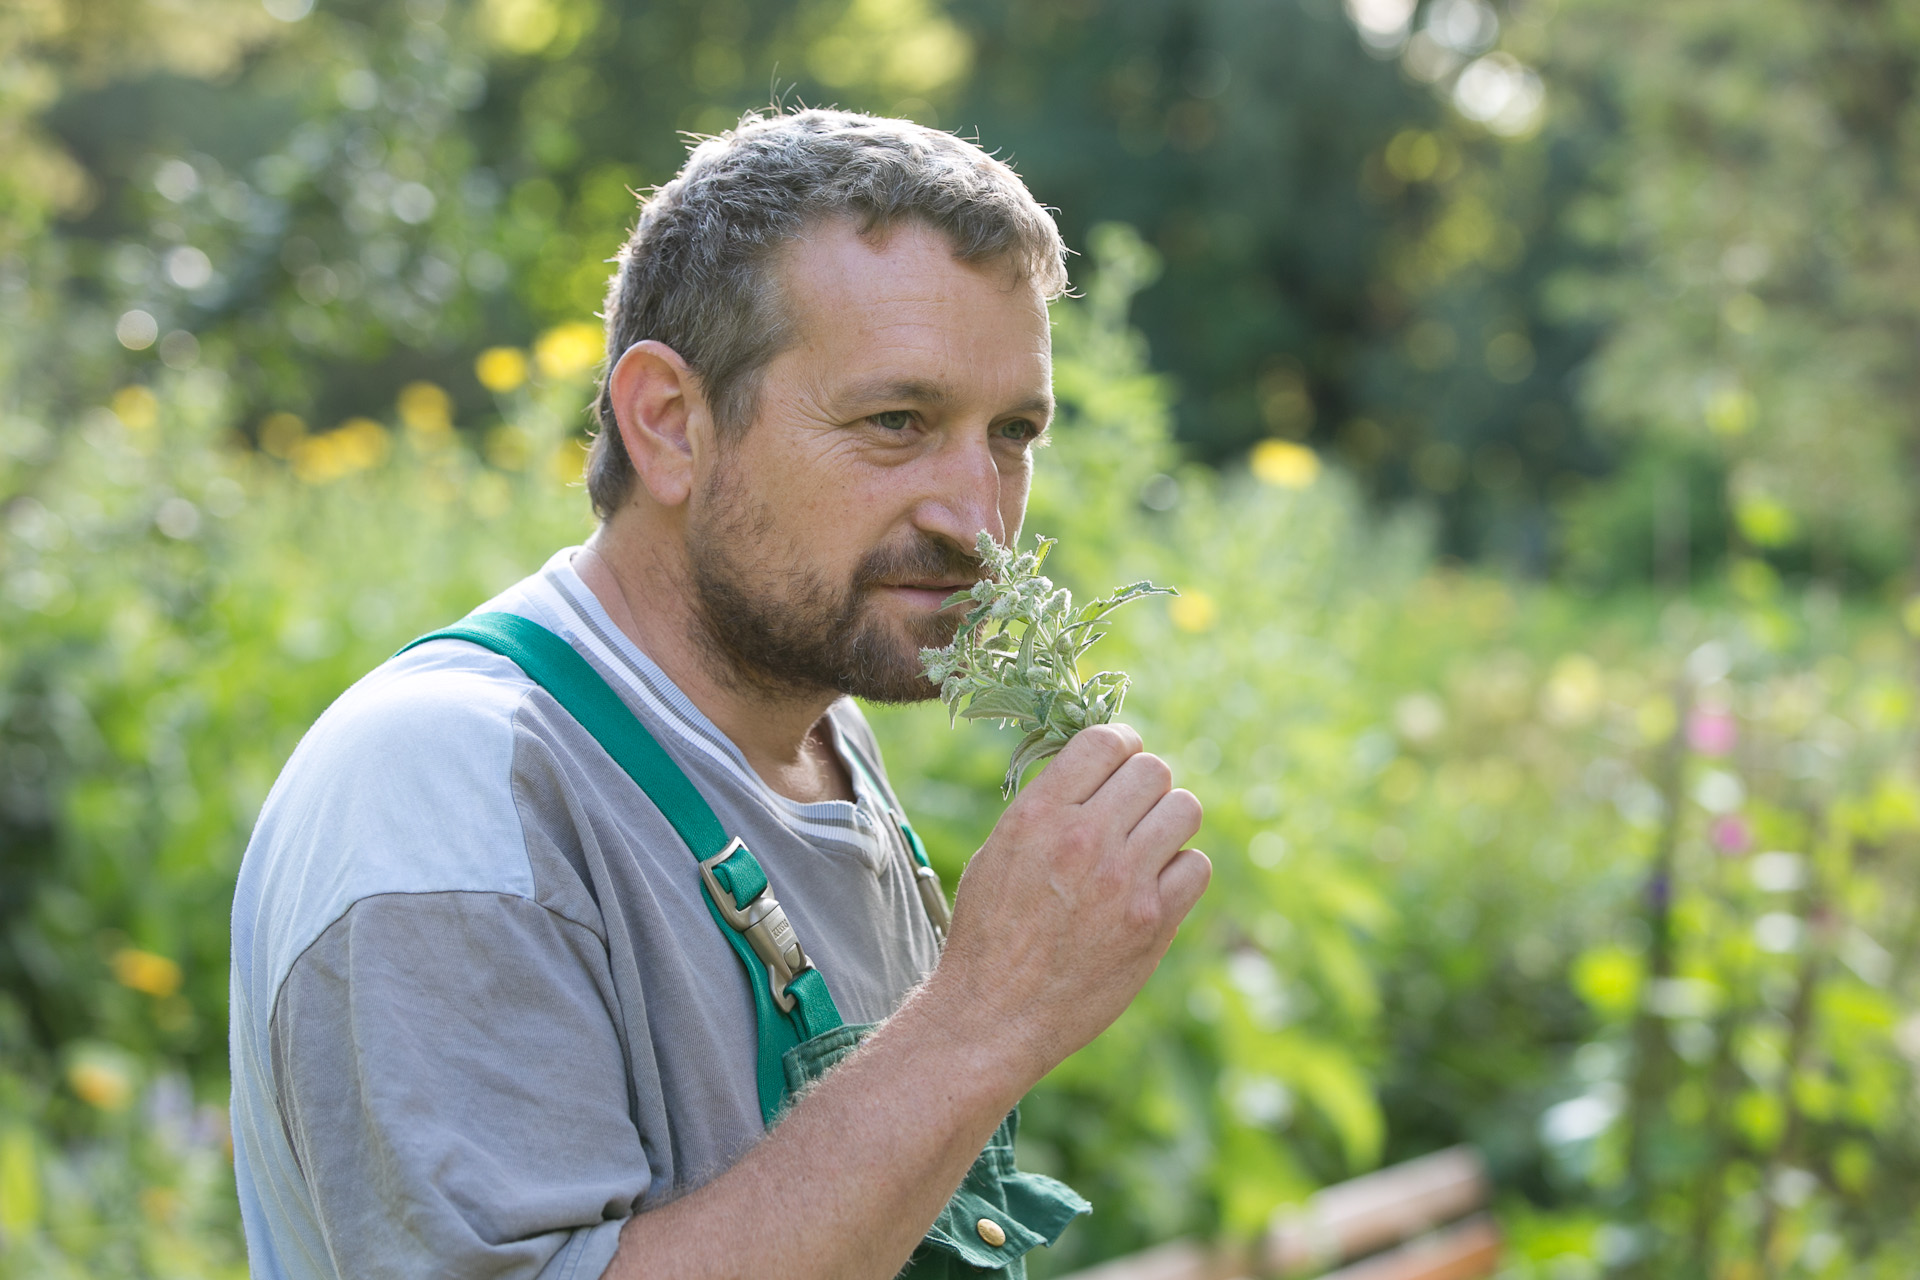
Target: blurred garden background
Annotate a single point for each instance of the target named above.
(1524, 394)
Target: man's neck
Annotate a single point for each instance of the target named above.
(787, 741)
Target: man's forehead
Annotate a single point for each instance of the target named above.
(870, 304)
(882, 276)
(838, 248)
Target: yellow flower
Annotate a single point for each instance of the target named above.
(355, 445)
(426, 409)
(501, 369)
(568, 349)
(146, 972)
(1574, 691)
(101, 1081)
(136, 406)
(1285, 464)
(1193, 611)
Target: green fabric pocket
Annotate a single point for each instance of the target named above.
(811, 1059)
(1028, 1209)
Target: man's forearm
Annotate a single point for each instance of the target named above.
(848, 1182)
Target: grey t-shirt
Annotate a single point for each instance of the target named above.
(480, 1013)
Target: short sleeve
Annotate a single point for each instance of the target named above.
(453, 1085)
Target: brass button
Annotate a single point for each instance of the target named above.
(991, 1232)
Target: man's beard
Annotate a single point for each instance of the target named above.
(788, 633)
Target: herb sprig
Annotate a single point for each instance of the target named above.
(1016, 657)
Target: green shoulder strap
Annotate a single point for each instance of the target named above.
(732, 882)
(933, 895)
(914, 847)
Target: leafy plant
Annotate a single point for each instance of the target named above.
(1026, 671)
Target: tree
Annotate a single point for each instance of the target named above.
(1759, 189)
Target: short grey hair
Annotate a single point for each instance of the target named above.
(696, 274)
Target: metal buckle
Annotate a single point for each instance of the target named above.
(933, 894)
(764, 924)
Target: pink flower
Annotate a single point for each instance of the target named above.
(1730, 835)
(1712, 731)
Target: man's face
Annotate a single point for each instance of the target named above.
(897, 427)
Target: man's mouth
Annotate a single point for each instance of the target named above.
(927, 595)
(922, 576)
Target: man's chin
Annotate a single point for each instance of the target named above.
(886, 664)
(887, 676)
(893, 693)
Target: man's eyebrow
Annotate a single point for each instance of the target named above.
(933, 394)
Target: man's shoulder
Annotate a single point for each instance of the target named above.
(404, 785)
(427, 723)
(435, 696)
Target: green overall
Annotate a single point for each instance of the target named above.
(999, 1213)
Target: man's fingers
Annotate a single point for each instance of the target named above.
(1183, 880)
(1132, 791)
(1087, 762)
(1173, 820)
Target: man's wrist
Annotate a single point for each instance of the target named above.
(978, 1053)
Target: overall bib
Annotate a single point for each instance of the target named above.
(998, 1214)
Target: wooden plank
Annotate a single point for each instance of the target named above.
(1466, 1251)
(1371, 1212)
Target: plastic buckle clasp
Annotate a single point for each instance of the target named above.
(763, 923)
(933, 895)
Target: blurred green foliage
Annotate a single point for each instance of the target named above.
(1766, 221)
(294, 347)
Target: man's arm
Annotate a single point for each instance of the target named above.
(1059, 920)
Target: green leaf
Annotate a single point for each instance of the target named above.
(1035, 747)
(1002, 702)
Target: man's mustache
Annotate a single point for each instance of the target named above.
(930, 557)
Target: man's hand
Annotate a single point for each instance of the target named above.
(1067, 909)
(1059, 920)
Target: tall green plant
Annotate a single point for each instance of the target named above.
(1749, 1096)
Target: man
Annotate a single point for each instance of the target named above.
(484, 1020)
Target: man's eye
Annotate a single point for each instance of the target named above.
(1019, 429)
(892, 419)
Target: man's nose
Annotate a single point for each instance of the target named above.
(963, 493)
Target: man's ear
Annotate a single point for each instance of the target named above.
(662, 413)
